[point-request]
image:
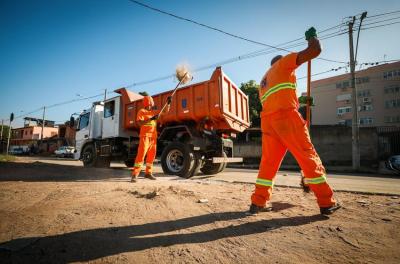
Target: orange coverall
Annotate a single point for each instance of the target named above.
(147, 141)
(284, 129)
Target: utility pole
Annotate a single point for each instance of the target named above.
(354, 124)
(105, 95)
(44, 113)
(1, 135)
(9, 132)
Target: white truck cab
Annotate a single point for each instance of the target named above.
(98, 129)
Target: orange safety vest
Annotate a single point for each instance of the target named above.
(148, 129)
(278, 86)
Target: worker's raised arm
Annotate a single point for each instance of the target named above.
(313, 49)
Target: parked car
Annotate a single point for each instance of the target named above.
(65, 151)
(16, 151)
(393, 163)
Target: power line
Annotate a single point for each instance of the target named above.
(217, 29)
(384, 14)
(388, 24)
(376, 22)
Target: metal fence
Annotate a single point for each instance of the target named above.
(388, 141)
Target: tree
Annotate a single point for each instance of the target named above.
(251, 89)
(5, 131)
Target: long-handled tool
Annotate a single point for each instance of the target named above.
(305, 187)
(183, 79)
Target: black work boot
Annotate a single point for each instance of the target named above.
(150, 176)
(134, 178)
(329, 210)
(254, 209)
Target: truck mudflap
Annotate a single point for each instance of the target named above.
(226, 159)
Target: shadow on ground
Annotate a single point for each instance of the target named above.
(40, 172)
(93, 244)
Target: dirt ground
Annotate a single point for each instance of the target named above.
(62, 214)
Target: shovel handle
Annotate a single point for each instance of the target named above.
(308, 106)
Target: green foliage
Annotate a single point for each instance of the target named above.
(6, 158)
(251, 89)
(5, 131)
(143, 93)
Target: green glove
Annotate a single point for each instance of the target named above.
(311, 32)
(304, 99)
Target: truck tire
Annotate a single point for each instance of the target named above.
(210, 168)
(178, 159)
(89, 156)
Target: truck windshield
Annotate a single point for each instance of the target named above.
(83, 121)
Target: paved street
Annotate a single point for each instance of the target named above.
(369, 183)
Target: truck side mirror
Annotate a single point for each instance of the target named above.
(71, 121)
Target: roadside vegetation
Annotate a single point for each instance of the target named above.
(7, 158)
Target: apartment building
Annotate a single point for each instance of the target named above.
(32, 131)
(378, 100)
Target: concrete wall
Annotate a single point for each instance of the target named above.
(333, 144)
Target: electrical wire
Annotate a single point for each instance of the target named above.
(217, 29)
(384, 14)
(378, 26)
(242, 57)
(376, 22)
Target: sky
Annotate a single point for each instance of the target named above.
(59, 50)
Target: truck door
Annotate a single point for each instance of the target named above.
(110, 119)
(82, 133)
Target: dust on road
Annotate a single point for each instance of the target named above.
(60, 213)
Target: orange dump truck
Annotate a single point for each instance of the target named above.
(194, 135)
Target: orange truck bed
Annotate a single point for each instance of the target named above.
(217, 102)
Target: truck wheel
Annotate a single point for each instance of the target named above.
(178, 159)
(210, 168)
(89, 156)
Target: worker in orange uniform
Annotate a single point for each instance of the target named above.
(284, 129)
(147, 120)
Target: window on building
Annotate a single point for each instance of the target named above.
(392, 103)
(395, 88)
(364, 93)
(366, 121)
(362, 80)
(343, 97)
(391, 74)
(343, 110)
(366, 108)
(343, 84)
(392, 119)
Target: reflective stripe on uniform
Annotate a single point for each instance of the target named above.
(277, 88)
(149, 164)
(151, 123)
(138, 165)
(265, 182)
(317, 180)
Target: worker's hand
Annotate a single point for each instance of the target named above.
(155, 117)
(169, 100)
(305, 99)
(310, 33)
